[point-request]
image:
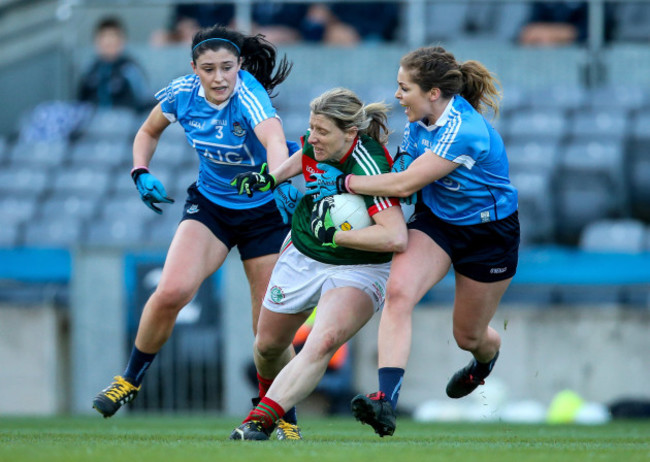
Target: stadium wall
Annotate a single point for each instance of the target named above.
(598, 351)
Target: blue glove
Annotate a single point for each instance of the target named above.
(321, 223)
(151, 189)
(286, 198)
(328, 183)
(250, 182)
(400, 163)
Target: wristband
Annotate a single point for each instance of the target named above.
(347, 184)
(137, 171)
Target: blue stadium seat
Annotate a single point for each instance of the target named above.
(600, 124)
(4, 150)
(295, 123)
(515, 98)
(446, 21)
(589, 185)
(637, 175)
(39, 154)
(127, 205)
(118, 231)
(88, 180)
(112, 124)
(589, 157)
(10, 234)
(543, 125)
(23, 180)
(561, 97)
(619, 236)
(74, 205)
(529, 156)
(618, 97)
(639, 126)
(160, 230)
(53, 232)
(18, 208)
(102, 154)
(536, 210)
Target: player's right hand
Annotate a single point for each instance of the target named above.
(250, 182)
(151, 189)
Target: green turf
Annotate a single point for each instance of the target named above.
(189, 439)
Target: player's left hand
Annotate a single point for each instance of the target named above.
(328, 183)
(322, 225)
(400, 163)
(286, 198)
(250, 182)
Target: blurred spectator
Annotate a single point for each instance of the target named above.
(280, 23)
(560, 23)
(114, 78)
(632, 22)
(187, 19)
(349, 23)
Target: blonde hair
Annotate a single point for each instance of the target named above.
(346, 110)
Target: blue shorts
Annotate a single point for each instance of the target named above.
(256, 232)
(487, 252)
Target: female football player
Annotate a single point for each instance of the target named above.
(226, 112)
(467, 217)
(343, 272)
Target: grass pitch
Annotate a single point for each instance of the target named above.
(194, 439)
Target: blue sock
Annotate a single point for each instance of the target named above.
(290, 416)
(138, 364)
(390, 382)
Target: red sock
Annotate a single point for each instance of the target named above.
(263, 385)
(267, 412)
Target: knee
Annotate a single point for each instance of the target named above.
(269, 349)
(172, 297)
(467, 340)
(398, 299)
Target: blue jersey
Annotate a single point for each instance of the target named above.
(221, 134)
(479, 190)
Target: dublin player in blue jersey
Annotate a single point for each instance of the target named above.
(466, 217)
(225, 109)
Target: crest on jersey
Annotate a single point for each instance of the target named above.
(237, 129)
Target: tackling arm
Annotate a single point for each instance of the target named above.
(388, 234)
(271, 135)
(426, 169)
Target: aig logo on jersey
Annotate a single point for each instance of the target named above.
(237, 129)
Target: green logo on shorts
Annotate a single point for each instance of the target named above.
(277, 295)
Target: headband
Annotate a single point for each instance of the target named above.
(217, 38)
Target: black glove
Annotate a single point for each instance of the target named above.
(253, 181)
(321, 222)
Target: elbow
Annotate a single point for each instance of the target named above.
(403, 191)
(399, 242)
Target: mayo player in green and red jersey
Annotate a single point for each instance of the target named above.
(343, 272)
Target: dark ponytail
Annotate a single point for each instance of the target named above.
(260, 58)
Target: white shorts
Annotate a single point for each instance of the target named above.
(298, 282)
